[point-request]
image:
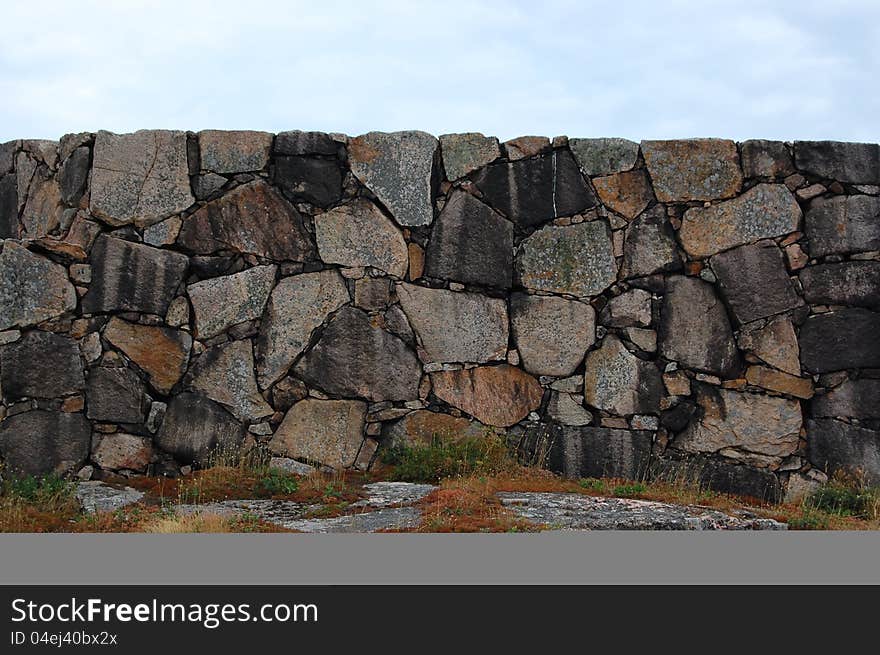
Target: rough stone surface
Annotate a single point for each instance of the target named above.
(356, 358)
(34, 289)
(162, 353)
(421, 426)
(567, 409)
(40, 442)
(617, 381)
(122, 451)
(576, 259)
(858, 399)
(768, 378)
(774, 342)
(630, 309)
(858, 163)
(221, 302)
(385, 494)
(139, 178)
(40, 365)
(693, 169)
(843, 224)
(761, 158)
(194, 426)
(225, 374)
(840, 340)
(535, 190)
(317, 181)
(835, 445)
(115, 395)
(131, 277)
(392, 518)
(650, 245)
(399, 167)
(297, 306)
(297, 142)
(455, 326)
(846, 283)
(764, 211)
(694, 328)
(291, 466)
(588, 452)
(253, 219)
(358, 234)
(465, 153)
(754, 282)
(604, 156)
(234, 151)
(496, 395)
(626, 193)
(325, 431)
(96, 496)
(552, 334)
(471, 243)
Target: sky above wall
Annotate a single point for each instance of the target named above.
(633, 68)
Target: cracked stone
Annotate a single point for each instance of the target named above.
(496, 395)
(34, 289)
(325, 431)
(617, 381)
(221, 302)
(162, 353)
(693, 169)
(552, 334)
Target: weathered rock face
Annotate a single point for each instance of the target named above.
(297, 306)
(630, 309)
(234, 151)
(764, 211)
(617, 381)
(843, 224)
(131, 277)
(139, 178)
(650, 245)
(693, 169)
(328, 432)
(253, 219)
(355, 358)
(317, 181)
(421, 426)
(854, 398)
(552, 334)
(847, 283)
(195, 426)
(456, 327)
(754, 281)
(496, 395)
(115, 395)
(465, 153)
(222, 302)
(840, 340)
(399, 167)
(40, 365)
(40, 442)
(162, 353)
(604, 156)
(774, 342)
(471, 243)
(835, 445)
(762, 158)
(225, 374)
(576, 259)
(122, 451)
(773, 380)
(581, 452)
(568, 409)
(858, 163)
(34, 289)
(694, 328)
(626, 193)
(358, 234)
(537, 189)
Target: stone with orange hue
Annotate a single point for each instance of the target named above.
(773, 380)
(421, 426)
(693, 169)
(626, 193)
(328, 432)
(416, 261)
(774, 342)
(496, 395)
(525, 146)
(122, 451)
(162, 353)
(234, 151)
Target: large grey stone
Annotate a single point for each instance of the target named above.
(234, 151)
(629, 309)
(840, 340)
(356, 358)
(160, 352)
(225, 374)
(139, 178)
(465, 153)
(762, 158)
(774, 342)
(456, 327)
(40, 365)
(535, 190)
(754, 281)
(581, 452)
(358, 234)
(328, 432)
(650, 245)
(846, 283)
(604, 156)
(762, 212)
(34, 289)
(842, 225)
(254, 219)
(617, 381)
(132, 277)
(568, 409)
(857, 163)
(400, 168)
(298, 142)
(838, 446)
(73, 175)
(43, 209)
(858, 399)
(115, 395)
(221, 302)
(96, 496)
(552, 334)
(40, 442)
(120, 451)
(694, 328)
(318, 181)
(576, 259)
(297, 306)
(471, 243)
(693, 169)
(194, 426)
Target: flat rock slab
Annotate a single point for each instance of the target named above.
(279, 512)
(564, 511)
(96, 496)
(385, 494)
(395, 518)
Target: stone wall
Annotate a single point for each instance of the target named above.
(694, 306)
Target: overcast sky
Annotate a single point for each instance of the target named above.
(637, 69)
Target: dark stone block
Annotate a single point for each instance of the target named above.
(580, 452)
(650, 245)
(754, 281)
(40, 365)
(842, 225)
(856, 163)
(761, 158)
(838, 446)
(41, 442)
(131, 277)
(675, 419)
(304, 143)
(535, 190)
(115, 395)
(194, 426)
(471, 243)
(723, 477)
(854, 398)
(840, 340)
(318, 181)
(8, 207)
(73, 174)
(852, 283)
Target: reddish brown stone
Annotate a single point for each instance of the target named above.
(496, 395)
(626, 193)
(162, 353)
